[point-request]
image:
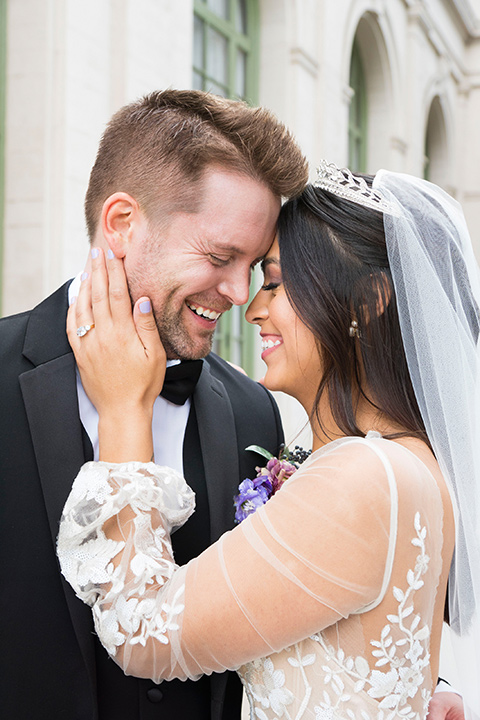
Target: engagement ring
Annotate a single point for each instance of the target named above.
(83, 329)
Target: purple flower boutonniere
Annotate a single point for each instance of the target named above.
(254, 493)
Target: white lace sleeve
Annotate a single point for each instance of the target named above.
(321, 546)
(157, 500)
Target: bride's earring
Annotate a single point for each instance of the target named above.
(353, 330)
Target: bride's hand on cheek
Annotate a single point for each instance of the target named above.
(121, 359)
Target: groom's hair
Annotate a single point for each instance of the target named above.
(158, 148)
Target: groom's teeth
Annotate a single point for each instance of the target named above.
(204, 312)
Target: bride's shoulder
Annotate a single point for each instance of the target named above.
(347, 477)
(372, 459)
(349, 466)
(373, 446)
(351, 449)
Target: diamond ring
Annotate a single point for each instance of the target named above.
(83, 329)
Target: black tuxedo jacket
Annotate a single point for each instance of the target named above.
(48, 658)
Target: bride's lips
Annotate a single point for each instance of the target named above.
(270, 343)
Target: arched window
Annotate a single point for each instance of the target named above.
(357, 121)
(225, 62)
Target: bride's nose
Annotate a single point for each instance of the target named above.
(257, 311)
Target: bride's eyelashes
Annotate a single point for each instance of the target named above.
(271, 286)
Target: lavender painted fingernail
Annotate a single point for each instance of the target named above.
(84, 276)
(110, 254)
(145, 307)
(72, 300)
(95, 253)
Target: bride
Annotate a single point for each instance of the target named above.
(329, 599)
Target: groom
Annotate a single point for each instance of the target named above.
(186, 189)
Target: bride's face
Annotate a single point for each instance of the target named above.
(288, 346)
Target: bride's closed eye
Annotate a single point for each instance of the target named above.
(271, 286)
(272, 276)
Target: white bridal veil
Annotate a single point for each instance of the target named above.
(436, 281)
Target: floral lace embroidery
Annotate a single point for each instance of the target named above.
(270, 691)
(124, 599)
(395, 687)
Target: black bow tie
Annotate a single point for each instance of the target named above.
(180, 381)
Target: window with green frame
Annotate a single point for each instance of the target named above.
(225, 62)
(225, 48)
(357, 120)
(3, 78)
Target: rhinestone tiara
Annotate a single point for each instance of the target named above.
(341, 182)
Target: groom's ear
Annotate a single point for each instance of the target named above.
(121, 218)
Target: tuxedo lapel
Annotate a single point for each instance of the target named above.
(218, 440)
(50, 397)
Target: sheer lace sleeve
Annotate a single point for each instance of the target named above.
(318, 551)
(145, 502)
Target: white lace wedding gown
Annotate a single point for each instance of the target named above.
(323, 600)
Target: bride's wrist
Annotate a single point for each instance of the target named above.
(125, 436)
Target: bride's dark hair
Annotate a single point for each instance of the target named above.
(335, 269)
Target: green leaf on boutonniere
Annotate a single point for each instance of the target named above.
(261, 451)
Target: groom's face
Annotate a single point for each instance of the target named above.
(197, 265)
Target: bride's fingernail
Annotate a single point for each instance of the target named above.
(72, 300)
(110, 254)
(95, 253)
(84, 276)
(145, 307)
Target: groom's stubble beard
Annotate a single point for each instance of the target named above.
(174, 336)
